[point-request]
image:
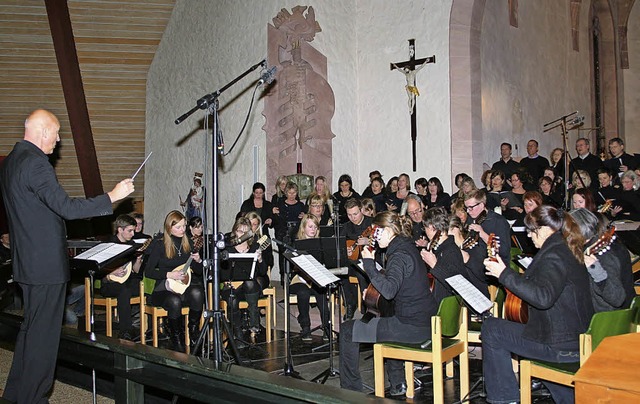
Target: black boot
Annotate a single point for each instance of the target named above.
(254, 312)
(194, 328)
(176, 334)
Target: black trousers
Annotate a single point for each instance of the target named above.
(388, 329)
(123, 292)
(34, 360)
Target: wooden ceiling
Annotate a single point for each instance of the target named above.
(115, 41)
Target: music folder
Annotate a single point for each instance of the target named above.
(474, 298)
(104, 257)
(317, 272)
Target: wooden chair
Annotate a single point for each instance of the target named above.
(293, 299)
(110, 304)
(603, 324)
(448, 340)
(267, 303)
(156, 314)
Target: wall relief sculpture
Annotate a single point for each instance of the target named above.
(300, 103)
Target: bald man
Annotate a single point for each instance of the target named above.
(36, 209)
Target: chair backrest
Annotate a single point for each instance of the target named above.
(501, 296)
(609, 323)
(149, 285)
(450, 315)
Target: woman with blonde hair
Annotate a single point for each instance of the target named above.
(166, 256)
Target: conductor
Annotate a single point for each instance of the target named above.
(36, 208)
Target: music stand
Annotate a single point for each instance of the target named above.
(100, 260)
(479, 303)
(323, 278)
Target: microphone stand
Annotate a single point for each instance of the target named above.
(210, 103)
(288, 362)
(562, 122)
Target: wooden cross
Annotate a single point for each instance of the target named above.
(410, 68)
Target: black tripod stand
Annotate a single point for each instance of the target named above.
(330, 371)
(210, 103)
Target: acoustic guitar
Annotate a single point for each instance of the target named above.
(373, 299)
(114, 277)
(368, 232)
(515, 309)
(433, 245)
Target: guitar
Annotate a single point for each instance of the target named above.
(515, 309)
(368, 232)
(603, 243)
(114, 277)
(473, 238)
(433, 245)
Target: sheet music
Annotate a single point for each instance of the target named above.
(318, 273)
(103, 252)
(479, 302)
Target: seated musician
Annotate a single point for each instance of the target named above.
(167, 258)
(110, 287)
(609, 268)
(608, 191)
(240, 270)
(415, 210)
(485, 222)
(139, 233)
(353, 231)
(257, 229)
(472, 255)
(304, 288)
(556, 287)
(405, 281)
(442, 254)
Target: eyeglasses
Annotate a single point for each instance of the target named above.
(468, 208)
(415, 212)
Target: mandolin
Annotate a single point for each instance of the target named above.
(606, 206)
(179, 286)
(603, 243)
(515, 309)
(114, 277)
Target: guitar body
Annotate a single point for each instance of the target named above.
(515, 309)
(368, 232)
(376, 303)
(122, 278)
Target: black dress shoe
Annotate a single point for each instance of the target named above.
(398, 390)
(536, 385)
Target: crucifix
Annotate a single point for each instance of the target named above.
(410, 68)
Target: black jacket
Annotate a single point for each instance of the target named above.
(405, 281)
(36, 208)
(556, 287)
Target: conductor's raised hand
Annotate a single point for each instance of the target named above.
(122, 189)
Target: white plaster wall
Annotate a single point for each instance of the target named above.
(632, 83)
(531, 75)
(207, 44)
(384, 127)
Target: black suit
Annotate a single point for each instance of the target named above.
(36, 208)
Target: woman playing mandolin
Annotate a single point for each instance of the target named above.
(405, 281)
(556, 288)
(167, 259)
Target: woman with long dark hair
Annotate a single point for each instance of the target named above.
(556, 288)
(258, 203)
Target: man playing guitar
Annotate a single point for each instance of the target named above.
(357, 225)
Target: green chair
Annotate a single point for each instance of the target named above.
(603, 324)
(110, 304)
(635, 306)
(448, 340)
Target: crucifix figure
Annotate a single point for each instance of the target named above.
(410, 68)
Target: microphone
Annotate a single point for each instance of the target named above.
(578, 120)
(246, 236)
(268, 76)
